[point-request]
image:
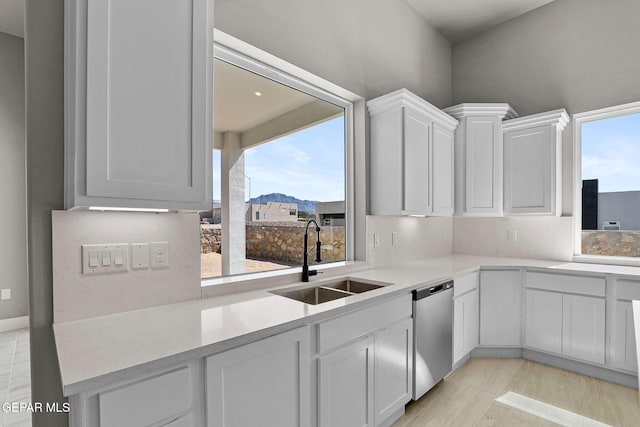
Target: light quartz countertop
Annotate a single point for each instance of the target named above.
(96, 351)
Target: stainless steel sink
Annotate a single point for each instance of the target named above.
(353, 286)
(314, 296)
(327, 291)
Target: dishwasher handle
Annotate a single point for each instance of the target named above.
(421, 293)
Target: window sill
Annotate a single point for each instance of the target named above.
(607, 260)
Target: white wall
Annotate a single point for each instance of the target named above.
(369, 47)
(577, 54)
(13, 222)
(78, 296)
(538, 237)
(418, 239)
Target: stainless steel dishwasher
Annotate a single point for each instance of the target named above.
(432, 336)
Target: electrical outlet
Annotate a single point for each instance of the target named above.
(159, 254)
(377, 240)
(394, 238)
(512, 235)
(5, 294)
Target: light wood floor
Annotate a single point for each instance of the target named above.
(15, 377)
(468, 397)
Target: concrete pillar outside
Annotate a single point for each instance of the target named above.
(233, 205)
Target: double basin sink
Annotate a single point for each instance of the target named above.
(327, 291)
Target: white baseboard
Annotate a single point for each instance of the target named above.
(14, 323)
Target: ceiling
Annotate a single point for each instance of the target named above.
(459, 19)
(236, 106)
(12, 17)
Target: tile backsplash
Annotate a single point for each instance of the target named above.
(78, 296)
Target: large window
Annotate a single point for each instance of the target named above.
(609, 148)
(279, 160)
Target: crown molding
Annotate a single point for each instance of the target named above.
(501, 109)
(559, 118)
(405, 98)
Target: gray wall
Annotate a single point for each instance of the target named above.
(13, 225)
(369, 47)
(620, 206)
(577, 54)
(44, 50)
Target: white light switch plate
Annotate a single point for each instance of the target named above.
(99, 258)
(6, 294)
(159, 254)
(377, 240)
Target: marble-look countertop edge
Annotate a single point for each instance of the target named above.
(77, 377)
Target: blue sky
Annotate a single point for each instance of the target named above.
(308, 164)
(611, 153)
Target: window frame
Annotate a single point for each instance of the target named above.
(299, 81)
(578, 120)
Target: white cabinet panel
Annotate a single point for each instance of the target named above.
(411, 156)
(393, 369)
(345, 386)
(543, 320)
(624, 340)
(465, 324)
(139, 103)
(484, 164)
(262, 383)
(442, 171)
(165, 395)
(533, 163)
(501, 308)
(583, 327)
(417, 162)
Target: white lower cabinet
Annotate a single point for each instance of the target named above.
(543, 320)
(583, 327)
(345, 385)
(262, 383)
(501, 308)
(365, 380)
(465, 324)
(624, 340)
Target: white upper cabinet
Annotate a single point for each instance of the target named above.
(139, 103)
(478, 157)
(533, 163)
(411, 156)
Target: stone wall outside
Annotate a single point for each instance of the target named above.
(611, 243)
(280, 241)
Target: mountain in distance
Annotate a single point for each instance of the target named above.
(303, 205)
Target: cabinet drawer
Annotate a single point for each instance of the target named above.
(627, 290)
(335, 332)
(148, 401)
(585, 285)
(465, 284)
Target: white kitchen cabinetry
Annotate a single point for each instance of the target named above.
(624, 354)
(411, 156)
(139, 103)
(501, 308)
(562, 322)
(465, 316)
(262, 383)
(366, 364)
(478, 157)
(533, 163)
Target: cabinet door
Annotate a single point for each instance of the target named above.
(529, 163)
(583, 327)
(543, 320)
(140, 103)
(501, 308)
(262, 383)
(442, 171)
(624, 340)
(345, 386)
(393, 369)
(483, 156)
(417, 160)
(465, 324)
